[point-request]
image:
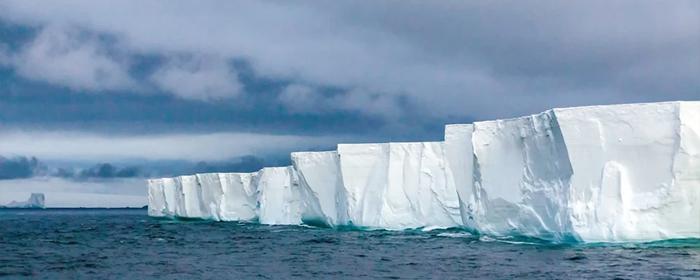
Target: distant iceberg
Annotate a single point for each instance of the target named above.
(36, 200)
(612, 173)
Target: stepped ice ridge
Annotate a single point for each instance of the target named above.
(611, 173)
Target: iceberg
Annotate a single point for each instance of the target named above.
(36, 200)
(612, 173)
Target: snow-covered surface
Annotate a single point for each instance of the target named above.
(602, 173)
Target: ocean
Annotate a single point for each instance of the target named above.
(127, 244)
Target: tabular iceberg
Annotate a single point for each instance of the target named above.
(601, 173)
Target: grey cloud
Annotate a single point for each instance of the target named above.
(198, 78)
(4, 55)
(247, 163)
(20, 167)
(304, 99)
(109, 171)
(301, 99)
(56, 145)
(100, 171)
(66, 56)
(449, 58)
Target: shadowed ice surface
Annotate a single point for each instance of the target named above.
(123, 244)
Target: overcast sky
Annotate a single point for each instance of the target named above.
(213, 80)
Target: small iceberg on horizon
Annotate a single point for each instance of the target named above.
(36, 200)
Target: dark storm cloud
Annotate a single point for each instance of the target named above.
(20, 167)
(28, 104)
(396, 70)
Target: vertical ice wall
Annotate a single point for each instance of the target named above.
(398, 185)
(173, 197)
(192, 197)
(156, 198)
(523, 177)
(211, 194)
(321, 186)
(459, 157)
(686, 177)
(239, 198)
(217, 196)
(634, 168)
(279, 196)
(363, 168)
(419, 193)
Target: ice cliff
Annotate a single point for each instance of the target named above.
(602, 173)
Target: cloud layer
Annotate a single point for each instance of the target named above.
(450, 58)
(79, 146)
(127, 82)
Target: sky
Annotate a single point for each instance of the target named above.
(174, 87)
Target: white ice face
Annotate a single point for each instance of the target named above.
(239, 199)
(459, 157)
(279, 196)
(521, 177)
(635, 169)
(172, 193)
(363, 168)
(602, 173)
(321, 186)
(211, 195)
(156, 198)
(399, 185)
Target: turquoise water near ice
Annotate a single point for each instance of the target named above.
(127, 244)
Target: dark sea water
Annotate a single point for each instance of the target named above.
(126, 244)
